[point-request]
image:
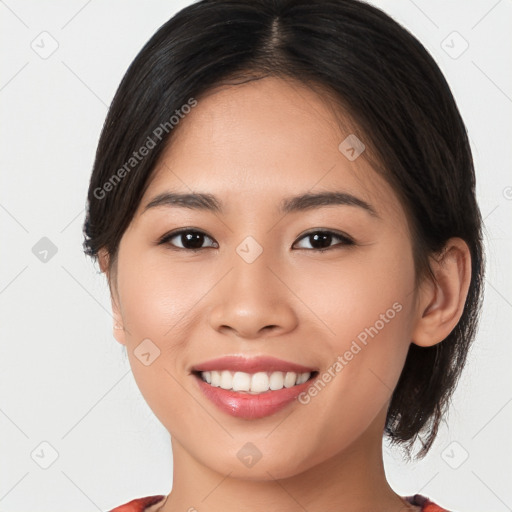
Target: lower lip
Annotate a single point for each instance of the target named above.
(247, 406)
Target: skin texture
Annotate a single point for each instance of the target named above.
(251, 145)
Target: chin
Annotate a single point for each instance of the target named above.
(267, 468)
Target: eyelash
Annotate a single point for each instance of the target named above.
(346, 240)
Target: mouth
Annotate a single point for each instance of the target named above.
(251, 388)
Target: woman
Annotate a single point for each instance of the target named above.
(283, 202)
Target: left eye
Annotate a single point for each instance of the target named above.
(324, 239)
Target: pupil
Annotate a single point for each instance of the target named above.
(323, 237)
(194, 240)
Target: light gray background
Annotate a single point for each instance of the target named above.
(65, 380)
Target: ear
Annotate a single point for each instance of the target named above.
(441, 301)
(118, 328)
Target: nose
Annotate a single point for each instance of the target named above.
(253, 300)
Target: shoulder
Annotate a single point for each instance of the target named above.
(139, 504)
(425, 504)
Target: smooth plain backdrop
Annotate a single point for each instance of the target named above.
(75, 432)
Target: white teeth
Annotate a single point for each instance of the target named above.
(226, 380)
(276, 380)
(290, 379)
(241, 381)
(259, 382)
(303, 377)
(215, 379)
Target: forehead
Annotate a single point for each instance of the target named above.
(262, 140)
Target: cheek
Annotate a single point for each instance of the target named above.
(157, 300)
(361, 296)
(158, 296)
(366, 304)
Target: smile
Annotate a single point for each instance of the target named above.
(252, 387)
(255, 383)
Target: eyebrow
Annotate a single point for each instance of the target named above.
(303, 202)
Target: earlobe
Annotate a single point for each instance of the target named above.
(103, 259)
(441, 301)
(119, 334)
(118, 328)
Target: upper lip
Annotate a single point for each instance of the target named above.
(245, 364)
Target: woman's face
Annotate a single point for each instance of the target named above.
(256, 286)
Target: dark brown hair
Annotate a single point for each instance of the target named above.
(380, 76)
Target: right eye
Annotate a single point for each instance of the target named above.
(190, 239)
